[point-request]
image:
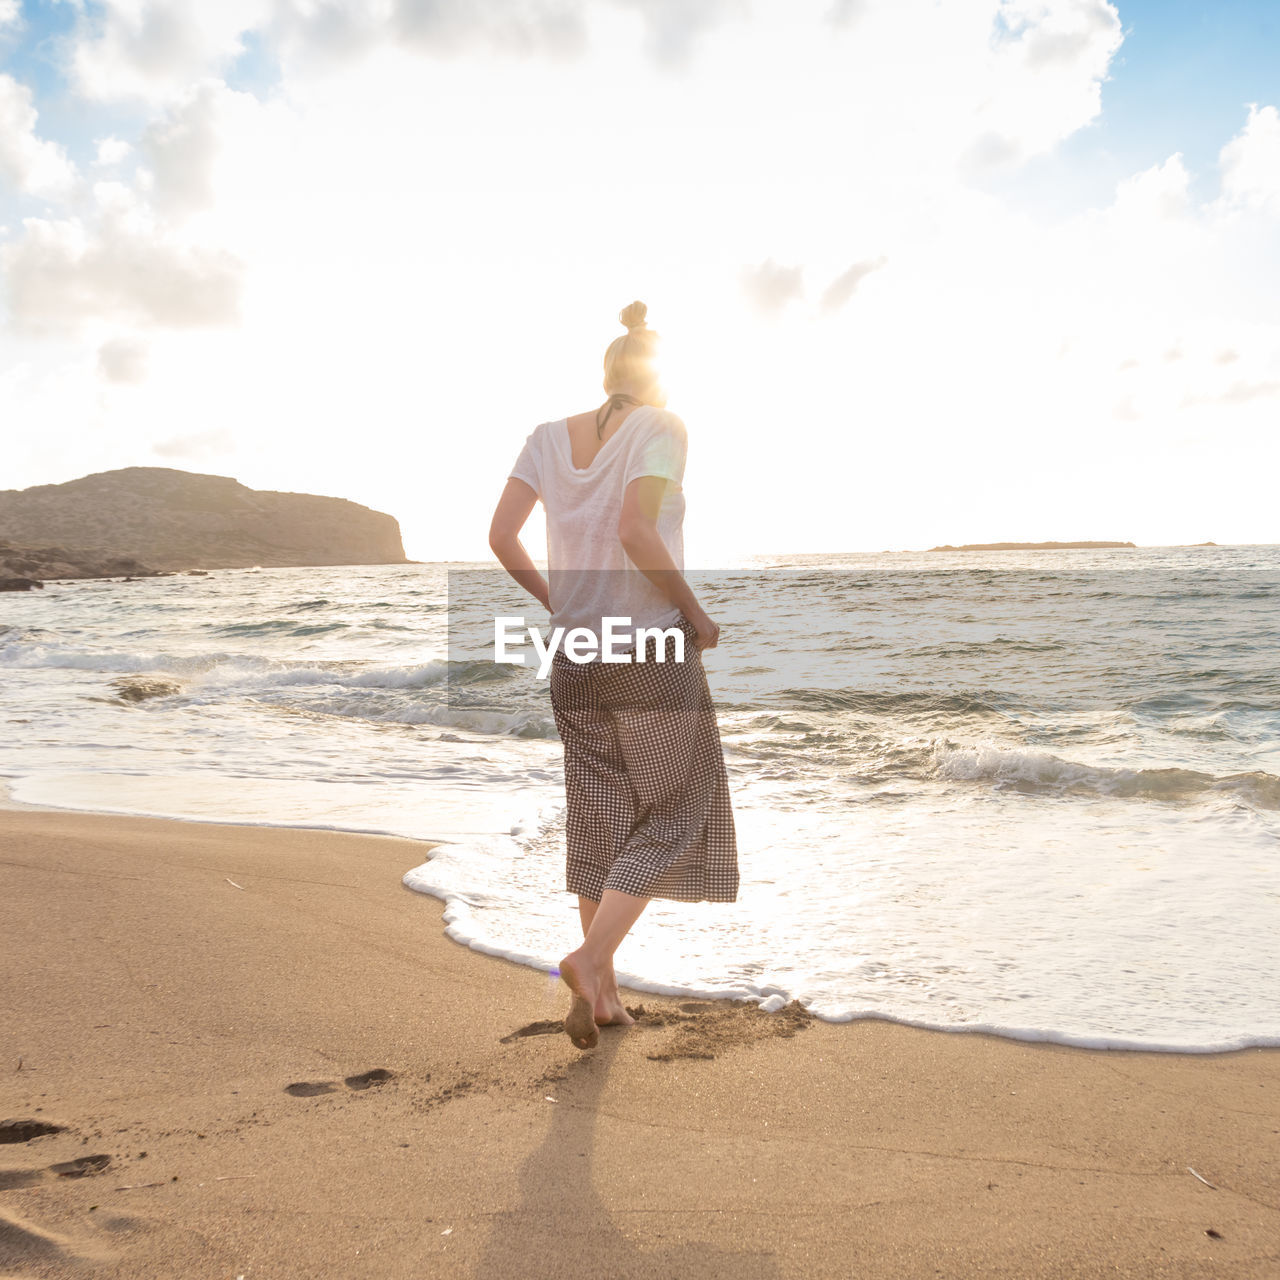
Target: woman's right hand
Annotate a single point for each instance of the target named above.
(708, 632)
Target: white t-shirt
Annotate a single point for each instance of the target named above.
(590, 576)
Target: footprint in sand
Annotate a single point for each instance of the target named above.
(698, 1028)
(535, 1029)
(80, 1167)
(556, 1028)
(24, 1243)
(13, 1179)
(705, 1029)
(365, 1080)
(25, 1130)
(379, 1075)
(309, 1088)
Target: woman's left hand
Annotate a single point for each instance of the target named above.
(708, 632)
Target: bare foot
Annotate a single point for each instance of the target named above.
(609, 1012)
(580, 1022)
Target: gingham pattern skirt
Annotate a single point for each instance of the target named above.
(647, 799)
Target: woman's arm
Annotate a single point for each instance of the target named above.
(512, 511)
(638, 531)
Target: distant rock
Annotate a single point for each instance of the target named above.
(1034, 546)
(140, 688)
(20, 565)
(177, 520)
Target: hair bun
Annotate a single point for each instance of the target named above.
(633, 315)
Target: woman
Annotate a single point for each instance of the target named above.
(647, 800)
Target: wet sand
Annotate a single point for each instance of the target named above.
(257, 1055)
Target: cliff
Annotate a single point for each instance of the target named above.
(171, 520)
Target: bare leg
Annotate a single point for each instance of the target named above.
(609, 1010)
(587, 970)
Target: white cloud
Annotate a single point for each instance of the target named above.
(511, 26)
(844, 12)
(137, 257)
(181, 148)
(522, 27)
(123, 360)
(1156, 194)
(770, 286)
(673, 27)
(111, 151)
(10, 12)
(324, 33)
(1250, 163)
(154, 50)
(1052, 32)
(842, 288)
(123, 267)
(1043, 77)
(30, 163)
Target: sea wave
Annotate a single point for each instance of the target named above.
(44, 652)
(1032, 771)
(280, 627)
(518, 723)
(878, 703)
(29, 650)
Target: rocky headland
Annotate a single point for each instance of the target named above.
(26, 568)
(143, 520)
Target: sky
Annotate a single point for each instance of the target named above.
(925, 271)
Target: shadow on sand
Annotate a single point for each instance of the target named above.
(564, 1229)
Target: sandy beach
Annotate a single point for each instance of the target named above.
(257, 1055)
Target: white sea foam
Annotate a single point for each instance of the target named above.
(1067, 931)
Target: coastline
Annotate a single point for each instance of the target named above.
(171, 979)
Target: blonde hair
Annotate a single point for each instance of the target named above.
(631, 362)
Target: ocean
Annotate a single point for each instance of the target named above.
(1029, 793)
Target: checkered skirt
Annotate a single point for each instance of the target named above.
(648, 809)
